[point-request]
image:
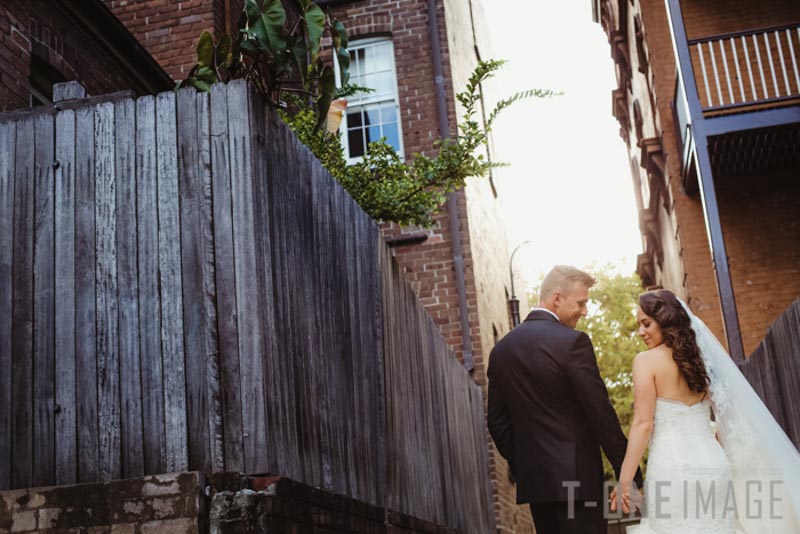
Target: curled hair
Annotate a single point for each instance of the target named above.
(676, 326)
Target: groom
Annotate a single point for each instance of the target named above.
(549, 411)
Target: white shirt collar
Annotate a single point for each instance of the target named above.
(545, 310)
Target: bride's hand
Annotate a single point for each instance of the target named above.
(619, 498)
(625, 494)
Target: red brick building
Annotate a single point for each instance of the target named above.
(42, 43)
(709, 106)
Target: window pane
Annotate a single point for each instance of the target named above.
(372, 116)
(377, 58)
(382, 83)
(388, 114)
(355, 138)
(354, 119)
(373, 134)
(392, 135)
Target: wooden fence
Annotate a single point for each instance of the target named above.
(774, 370)
(183, 286)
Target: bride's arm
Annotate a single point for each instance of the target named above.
(644, 407)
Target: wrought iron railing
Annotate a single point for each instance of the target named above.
(750, 68)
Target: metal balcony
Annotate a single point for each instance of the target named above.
(748, 91)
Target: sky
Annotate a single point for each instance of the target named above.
(569, 188)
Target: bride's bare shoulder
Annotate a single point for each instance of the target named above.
(653, 356)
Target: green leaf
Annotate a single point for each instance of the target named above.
(252, 11)
(205, 49)
(315, 26)
(340, 34)
(300, 56)
(327, 87)
(267, 26)
(343, 57)
(223, 51)
(200, 85)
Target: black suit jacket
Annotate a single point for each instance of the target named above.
(549, 411)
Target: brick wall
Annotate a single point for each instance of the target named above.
(26, 28)
(169, 28)
(761, 221)
(161, 503)
(764, 268)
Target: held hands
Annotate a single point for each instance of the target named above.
(627, 497)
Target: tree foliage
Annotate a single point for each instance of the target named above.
(282, 58)
(611, 324)
(389, 189)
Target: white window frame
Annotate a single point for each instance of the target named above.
(367, 99)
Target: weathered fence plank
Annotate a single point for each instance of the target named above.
(44, 303)
(131, 414)
(85, 299)
(194, 216)
(109, 409)
(66, 417)
(153, 411)
(774, 373)
(227, 322)
(282, 386)
(209, 333)
(169, 259)
(321, 315)
(22, 314)
(7, 146)
(783, 342)
(251, 340)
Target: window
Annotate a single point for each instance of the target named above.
(371, 116)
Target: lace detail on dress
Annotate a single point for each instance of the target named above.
(688, 474)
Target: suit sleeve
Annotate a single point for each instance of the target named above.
(593, 398)
(499, 422)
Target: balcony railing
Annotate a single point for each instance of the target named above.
(747, 70)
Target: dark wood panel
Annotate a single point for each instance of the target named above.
(149, 305)
(7, 148)
(321, 315)
(251, 339)
(227, 323)
(193, 212)
(260, 176)
(66, 453)
(108, 387)
(22, 314)
(209, 332)
(85, 299)
(131, 418)
(169, 263)
(44, 303)
(152, 372)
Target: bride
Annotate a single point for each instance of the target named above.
(740, 473)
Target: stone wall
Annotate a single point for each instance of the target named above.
(171, 503)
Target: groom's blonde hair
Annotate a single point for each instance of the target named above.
(561, 278)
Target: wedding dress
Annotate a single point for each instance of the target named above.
(747, 482)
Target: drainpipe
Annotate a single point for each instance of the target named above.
(452, 198)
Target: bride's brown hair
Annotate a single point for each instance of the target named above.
(664, 308)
